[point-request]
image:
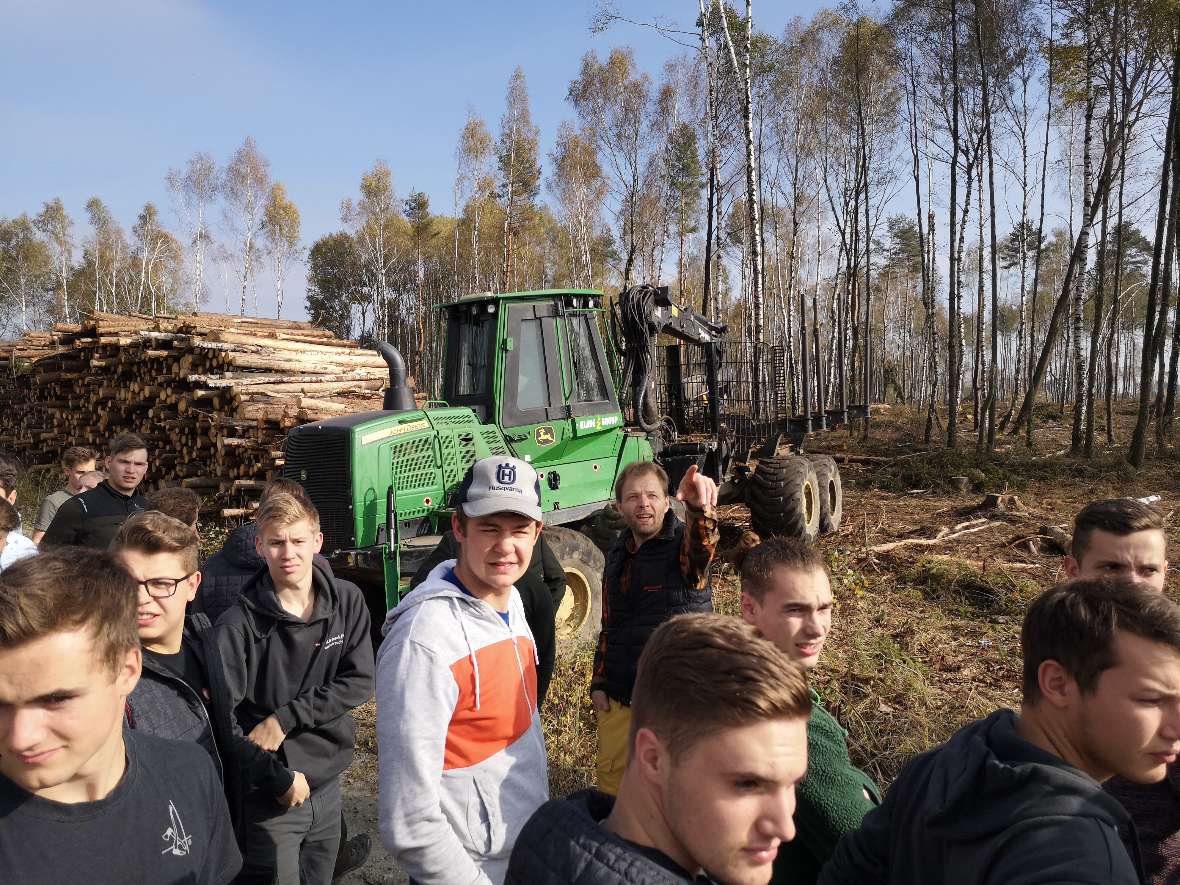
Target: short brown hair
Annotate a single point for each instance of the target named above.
(284, 486)
(126, 442)
(156, 532)
(1118, 516)
(75, 455)
(758, 565)
(70, 588)
(179, 503)
(9, 518)
(702, 673)
(283, 509)
(1075, 624)
(636, 469)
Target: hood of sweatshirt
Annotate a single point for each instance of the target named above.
(258, 596)
(239, 548)
(472, 616)
(987, 778)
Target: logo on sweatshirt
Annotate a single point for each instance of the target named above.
(332, 642)
(181, 841)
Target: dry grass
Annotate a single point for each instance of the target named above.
(921, 644)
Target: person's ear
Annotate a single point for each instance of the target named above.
(457, 528)
(749, 608)
(1058, 687)
(127, 671)
(10, 497)
(194, 583)
(319, 542)
(649, 755)
(1072, 567)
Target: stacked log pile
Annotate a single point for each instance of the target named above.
(212, 395)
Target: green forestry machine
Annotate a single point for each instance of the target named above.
(531, 375)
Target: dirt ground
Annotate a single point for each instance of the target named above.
(925, 637)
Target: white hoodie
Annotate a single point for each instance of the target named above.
(460, 749)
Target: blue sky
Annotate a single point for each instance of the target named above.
(105, 96)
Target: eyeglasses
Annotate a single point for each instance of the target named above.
(162, 588)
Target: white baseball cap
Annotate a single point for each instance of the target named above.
(500, 485)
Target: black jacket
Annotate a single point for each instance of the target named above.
(92, 519)
(166, 706)
(989, 808)
(541, 589)
(226, 572)
(311, 674)
(564, 842)
(667, 575)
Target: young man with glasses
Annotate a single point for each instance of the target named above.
(182, 693)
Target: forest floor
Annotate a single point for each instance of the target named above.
(925, 637)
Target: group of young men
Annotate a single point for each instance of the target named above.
(199, 733)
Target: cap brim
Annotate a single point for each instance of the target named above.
(488, 507)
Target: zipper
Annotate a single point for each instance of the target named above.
(204, 712)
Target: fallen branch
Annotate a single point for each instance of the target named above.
(963, 528)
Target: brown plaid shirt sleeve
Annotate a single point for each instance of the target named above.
(698, 547)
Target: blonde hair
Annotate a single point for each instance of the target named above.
(282, 509)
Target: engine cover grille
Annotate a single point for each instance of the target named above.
(318, 457)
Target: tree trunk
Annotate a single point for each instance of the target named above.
(1161, 260)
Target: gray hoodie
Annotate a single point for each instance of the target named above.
(462, 756)
(989, 808)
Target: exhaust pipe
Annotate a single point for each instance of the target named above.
(398, 396)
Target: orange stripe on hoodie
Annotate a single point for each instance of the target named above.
(503, 714)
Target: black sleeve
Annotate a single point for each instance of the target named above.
(540, 614)
(352, 683)
(223, 860)
(553, 572)
(228, 649)
(447, 548)
(66, 527)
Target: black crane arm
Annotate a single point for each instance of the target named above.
(645, 312)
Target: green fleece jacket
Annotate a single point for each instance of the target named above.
(830, 801)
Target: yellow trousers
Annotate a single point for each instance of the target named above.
(614, 730)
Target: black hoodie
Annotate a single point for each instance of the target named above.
(227, 571)
(310, 674)
(989, 808)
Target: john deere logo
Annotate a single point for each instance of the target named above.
(544, 435)
(506, 474)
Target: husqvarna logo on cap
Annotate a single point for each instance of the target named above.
(500, 485)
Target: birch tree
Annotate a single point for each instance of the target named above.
(245, 184)
(280, 231)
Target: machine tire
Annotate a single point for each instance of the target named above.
(579, 618)
(783, 496)
(831, 492)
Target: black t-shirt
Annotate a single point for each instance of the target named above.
(184, 664)
(166, 823)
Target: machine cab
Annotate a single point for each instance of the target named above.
(534, 364)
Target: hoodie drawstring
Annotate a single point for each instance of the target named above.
(470, 649)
